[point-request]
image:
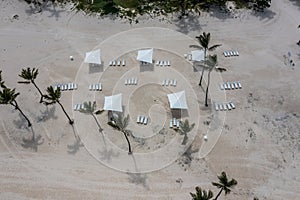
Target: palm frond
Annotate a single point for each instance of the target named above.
(214, 47)
(98, 112)
(24, 82)
(218, 185)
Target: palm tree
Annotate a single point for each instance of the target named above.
(204, 40)
(8, 96)
(90, 108)
(120, 123)
(184, 129)
(201, 194)
(30, 75)
(53, 97)
(224, 184)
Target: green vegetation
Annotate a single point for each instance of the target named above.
(53, 97)
(224, 184)
(130, 9)
(201, 194)
(120, 123)
(30, 75)
(184, 129)
(90, 108)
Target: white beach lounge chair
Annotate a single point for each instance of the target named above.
(167, 82)
(231, 53)
(90, 87)
(229, 106)
(236, 53)
(174, 82)
(69, 86)
(232, 85)
(75, 107)
(163, 83)
(78, 106)
(123, 62)
(161, 63)
(145, 120)
(232, 105)
(239, 84)
(168, 63)
(222, 86)
(135, 81)
(119, 63)
(138, 119)
(96, 87)
(220, 107)
(177, 123)
(165, 63)
(225, 85)
(228, 85)
(82, 106)
(171, 124)
(225, 53)
(75, 86)
(190, 57)
(126, 81)
(100, 86)
(236, 86)
(185, 56)
(114, 63)
(174, 121)
(110, 63)
(216, 106)
(224, 106)
(157, 63)
(142, 119)
(171, 82)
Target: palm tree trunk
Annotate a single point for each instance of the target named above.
(129, 146)
(184, 139)
(218, 194)
(41, 100)
(17, 107)
(206, 93)
(70, 121)
(100, 129)
(200, 82)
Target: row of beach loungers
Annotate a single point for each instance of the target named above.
(78, 106)
(117, 62)
(141, 119)
(65, 86)
(131, 81)
(168, 82)
(95, 87)
(224, 106)
(163, 63)
(231, 85)
(231, 53)
(174, 123)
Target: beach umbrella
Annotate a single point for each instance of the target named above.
(93, 57)
(145, 55)
(197, 55)
(113, 103)
(177, 100)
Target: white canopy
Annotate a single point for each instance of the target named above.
(93, 57)
(145, 55)
(113, 103)
(197, 55)
(177, 100)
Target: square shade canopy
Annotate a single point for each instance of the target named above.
(145, 55)
(93, 57)
(177, 100)
(113, 103)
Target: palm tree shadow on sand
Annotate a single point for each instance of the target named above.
(47, 114)
(20, 123)
(138, 178)
(33, 142)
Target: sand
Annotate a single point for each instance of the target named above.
(257, 143)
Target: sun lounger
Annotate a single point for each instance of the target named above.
(229, 85)
(114, 63)
(123, 62)
(69, 86)
(174, 122)
(138, 119)
(185, 55)
(225, 86)
(90, 87)
(157, 63)
(119, 63)
(190, 57)
(225, 53)
(220, 106)
(239, 84)
(232, 105)
(216, 106)
(78, 106)
(161, 63)
(222, 86)
(174, 83)
(75, 86)
(142, 119)
(168, 63)
(163, 83)
(135, 81)
(177, 123)
(100, 86)
(236, 85)
(224, 106)
(126, 82)
(145, 120)
(232, 85)
(236, 53)
(110, 63)
(75, 107)
(171, 82)
(171, 124)
(230, 53)
(82, 106)
(229, 106)
(165, 63)
(167, 82)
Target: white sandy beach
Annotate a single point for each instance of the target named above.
(258, 143)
